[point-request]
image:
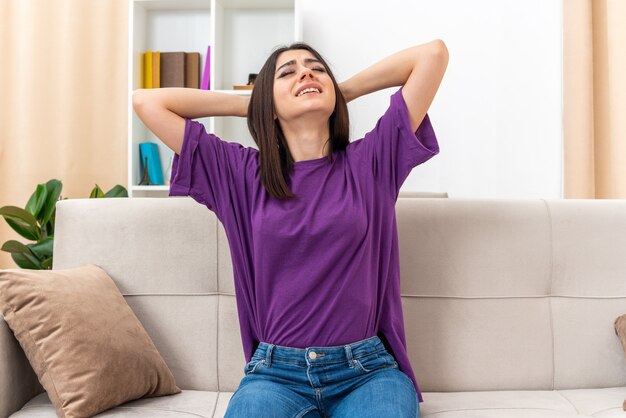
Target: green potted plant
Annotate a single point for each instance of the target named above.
(36, 223)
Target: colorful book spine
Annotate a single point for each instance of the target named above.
(192, 70)
(147, 70)
(149, 156)
(156, 68)
(206, 77)
(173, 69)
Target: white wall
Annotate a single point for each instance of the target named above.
(498, 112)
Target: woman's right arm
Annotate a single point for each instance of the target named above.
(163, 110)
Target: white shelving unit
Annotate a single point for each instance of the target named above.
(241, 33)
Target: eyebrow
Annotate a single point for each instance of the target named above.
(292, 62)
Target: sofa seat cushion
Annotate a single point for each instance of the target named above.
(188, 403)
(599, 403)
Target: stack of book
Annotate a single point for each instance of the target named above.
(174, 69)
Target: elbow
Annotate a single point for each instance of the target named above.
(433, 50)
(138, 98)
(439, 52)
(440, 49)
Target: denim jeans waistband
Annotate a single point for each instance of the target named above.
(319, 355)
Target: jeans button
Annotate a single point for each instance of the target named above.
(312, 355)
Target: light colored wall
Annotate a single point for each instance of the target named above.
(498, 112)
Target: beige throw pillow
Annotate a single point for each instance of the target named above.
(620, 330)
(83, 341)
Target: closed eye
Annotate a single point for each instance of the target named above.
(289, 72)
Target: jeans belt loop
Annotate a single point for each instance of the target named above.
(349, 355)
(268, 355)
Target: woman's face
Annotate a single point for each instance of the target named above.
(295, 69)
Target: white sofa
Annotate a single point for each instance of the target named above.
(509, 304)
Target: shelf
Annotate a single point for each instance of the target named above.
(154, 187)
(238, 92)
(241, 33)
(255, 4)
(173, 4)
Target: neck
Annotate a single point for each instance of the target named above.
(307, 139)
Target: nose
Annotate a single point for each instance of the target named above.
(306, 71)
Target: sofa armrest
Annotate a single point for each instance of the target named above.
(18, 381)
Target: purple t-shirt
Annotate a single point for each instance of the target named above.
(321, 269)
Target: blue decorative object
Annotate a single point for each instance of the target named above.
(149, 157)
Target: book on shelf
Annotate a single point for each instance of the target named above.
(151, 69)
(150, 163)
(171, 69)
(156, 69)
(147, 70)
(192, 70)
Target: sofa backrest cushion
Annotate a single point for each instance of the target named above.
(496, 293)
(513, 293)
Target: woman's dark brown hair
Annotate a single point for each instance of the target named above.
(276, 162)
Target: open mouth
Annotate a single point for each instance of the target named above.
(307, 91)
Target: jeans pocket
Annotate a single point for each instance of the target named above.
(253, 365)
(374, 361)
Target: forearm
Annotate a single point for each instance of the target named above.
(393, 70)
(194, 103)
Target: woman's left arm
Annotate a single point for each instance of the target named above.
(419, 69)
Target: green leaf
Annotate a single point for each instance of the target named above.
(26, 261)
(22, 222)
(117, 191)
(53, 188)
(47, 264)
(50, 225)
(13, 246)
(96, 193)
(36, 201)
(43, 248)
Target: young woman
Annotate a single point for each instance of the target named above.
(310, 220)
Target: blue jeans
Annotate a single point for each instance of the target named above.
(360, 379)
